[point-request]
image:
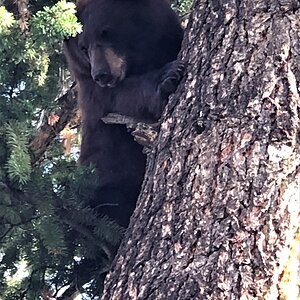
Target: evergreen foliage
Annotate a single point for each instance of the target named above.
(50, 238)
(46, 228)
(182, 7)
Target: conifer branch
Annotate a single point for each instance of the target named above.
(143, 133)
(24, 14)
(12, 226)
(47, 133)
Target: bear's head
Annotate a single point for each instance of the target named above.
(121, 38)
(98, 44)
(107, 65)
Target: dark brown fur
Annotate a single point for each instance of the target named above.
(124, 62)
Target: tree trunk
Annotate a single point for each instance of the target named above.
(219, 211)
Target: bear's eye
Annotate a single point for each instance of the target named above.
(84, 50)
(106, 34)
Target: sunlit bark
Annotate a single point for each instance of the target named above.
(219, 212)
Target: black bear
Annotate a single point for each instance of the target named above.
(124, 62)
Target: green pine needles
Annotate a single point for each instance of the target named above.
(18, 163)
(50, 238)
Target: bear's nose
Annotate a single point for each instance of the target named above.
(104, 79)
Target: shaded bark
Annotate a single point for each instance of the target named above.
(219, 211)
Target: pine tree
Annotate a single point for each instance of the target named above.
(46, 227)
(52, 244)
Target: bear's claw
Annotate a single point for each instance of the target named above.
(172, 74)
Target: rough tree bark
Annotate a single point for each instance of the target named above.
(219, 211)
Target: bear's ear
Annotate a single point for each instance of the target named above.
(81, 4)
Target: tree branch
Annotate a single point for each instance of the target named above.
(47, 132)
(144, 134)
(24, 14)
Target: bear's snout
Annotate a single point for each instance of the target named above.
(107, 68)
(104, 79)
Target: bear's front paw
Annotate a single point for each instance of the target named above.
(171, 76)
